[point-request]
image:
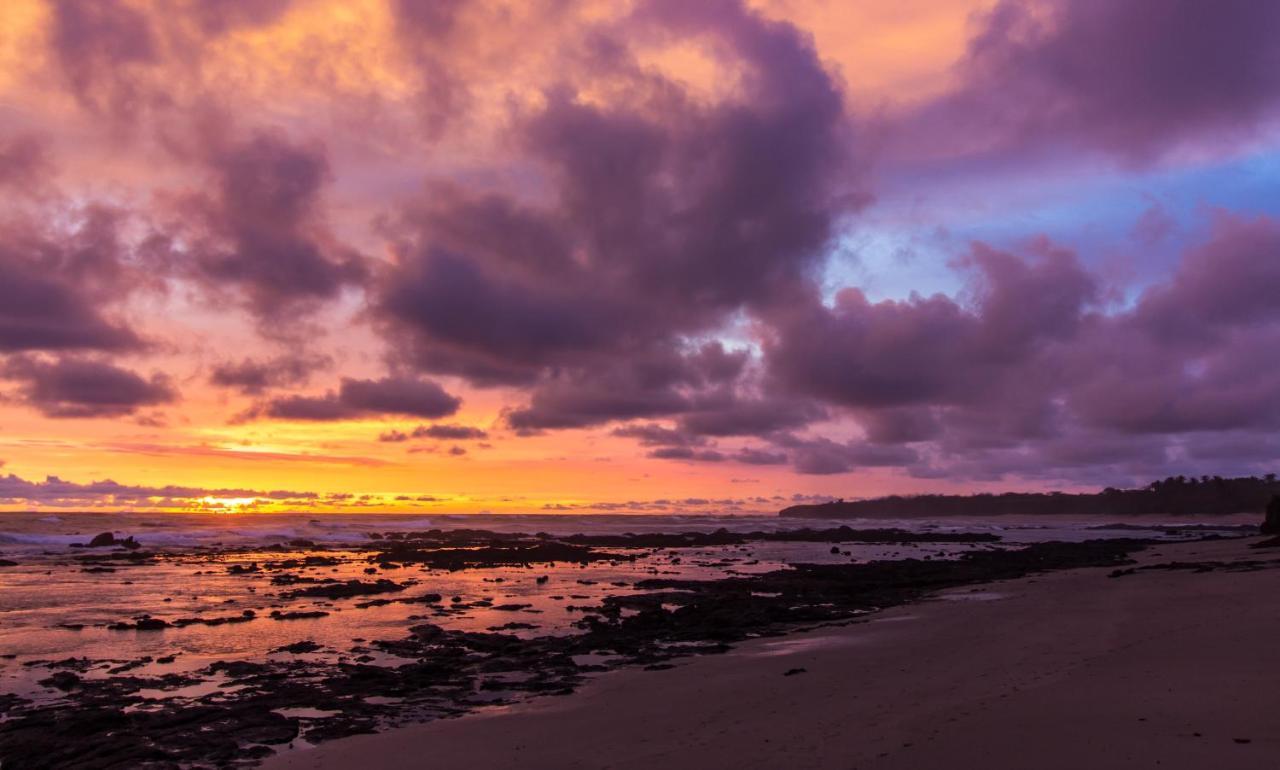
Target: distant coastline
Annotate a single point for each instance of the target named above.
(1174, 496)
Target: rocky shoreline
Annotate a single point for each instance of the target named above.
(240, 711)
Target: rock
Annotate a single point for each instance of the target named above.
(151, 624)
(794, 671)
(1271, 524)
(7, 563)
(299, 615)
(106, 539)
(63, 680)
(343, 590)
(296, 648)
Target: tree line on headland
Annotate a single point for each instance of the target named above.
(1176, 495)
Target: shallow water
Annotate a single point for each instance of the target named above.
(53, 606)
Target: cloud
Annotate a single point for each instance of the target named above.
(54, 491)
(824, 456)
(25, 163)
(79, 387)
(100, 48)
(726, 414)
(261, 233)
(933, 350)
(364, 398)
(440, 432)
(653, 435)
(59, 279)
(222, 16)
(1033, 369)
(687, 453)
(757, 456)
(1119, 76)
(663, 215)
(452, 432)
(252, 377)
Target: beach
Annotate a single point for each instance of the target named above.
(1163, 667)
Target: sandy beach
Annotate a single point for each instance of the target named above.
(1161, 668)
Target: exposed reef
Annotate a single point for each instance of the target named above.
(234, 712)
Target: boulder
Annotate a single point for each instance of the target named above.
(104, 540)
(1271, 524)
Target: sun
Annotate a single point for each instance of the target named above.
(226, 504)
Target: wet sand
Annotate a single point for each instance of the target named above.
(1162, 668)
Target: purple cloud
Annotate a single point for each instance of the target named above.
(664, 215)
(252, 377)
(56, 283)
(24, 162)
(99, 47)
(56, 491)
(363, 398)
(449, 432)
(76, 387)
(1033, 369)
(1129, 77)
(262, 233)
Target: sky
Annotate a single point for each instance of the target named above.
(631, 256)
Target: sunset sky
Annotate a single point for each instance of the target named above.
(698, 255)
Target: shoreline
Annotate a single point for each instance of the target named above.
(1062, 669)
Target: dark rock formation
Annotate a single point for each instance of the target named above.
(343, 590)
(105, 540)
(1271, 524)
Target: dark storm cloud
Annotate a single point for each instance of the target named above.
(77, 387)
(1132, 77)
(40, 311)
(664, 215)
(1192, 355)
(364, 398)
(933, 350)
